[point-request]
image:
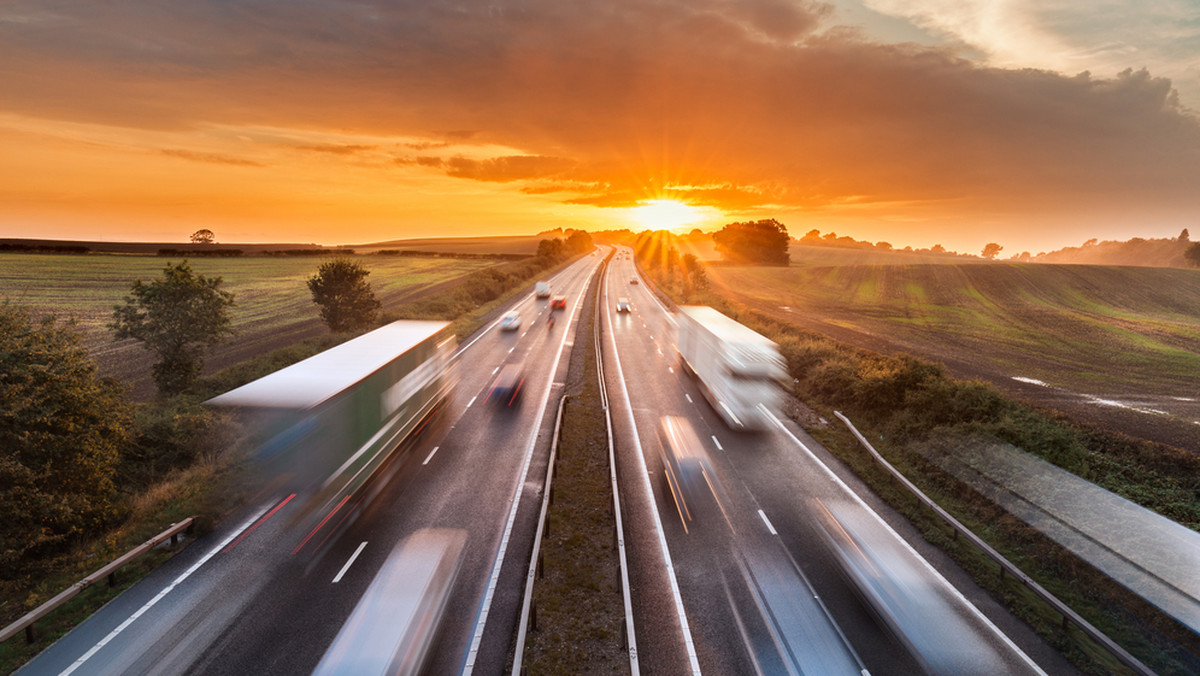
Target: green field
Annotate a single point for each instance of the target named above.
(524, 245)
(1113, 328)
(270, 291)
(273, 308)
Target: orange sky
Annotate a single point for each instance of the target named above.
(335, 122)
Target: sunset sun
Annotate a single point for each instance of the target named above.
(663, 214)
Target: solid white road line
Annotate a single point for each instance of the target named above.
(768, 522)
(430, 456)
(166, 590)
(338, 578)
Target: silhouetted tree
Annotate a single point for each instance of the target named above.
(991, 250)
(1185, 236)
(579, 242)
(762, 242)
(203, 236)
(551, 250)
(1192, 254)
(937, 248)
(61, 431)
(345, 299)
(176, 316)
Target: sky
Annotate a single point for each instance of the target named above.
(1036, 124)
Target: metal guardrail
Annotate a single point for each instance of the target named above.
(528, 612)
(108, 571)
(1069, 616)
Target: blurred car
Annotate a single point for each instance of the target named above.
(622, 305)
(688, 473)
(510, 321)
(633, 280)
(558, 303)
(542, 289)
(507, 387)
(393, 627)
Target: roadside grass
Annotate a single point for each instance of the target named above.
(203, 489)
(577, 598)
(186, 463)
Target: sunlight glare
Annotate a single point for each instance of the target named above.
(667, 214)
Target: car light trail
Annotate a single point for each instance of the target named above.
(257, 524)
(323, 522)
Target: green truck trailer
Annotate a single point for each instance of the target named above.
(321, 427)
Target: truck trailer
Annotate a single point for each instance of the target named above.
(738, 370)
(322, 426)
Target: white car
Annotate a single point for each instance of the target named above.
(510, 321)
(622, 305)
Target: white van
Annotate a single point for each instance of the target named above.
(542, 289)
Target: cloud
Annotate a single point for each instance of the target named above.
(505, 169)
(211, 158)
(339, 148)
(610, 102)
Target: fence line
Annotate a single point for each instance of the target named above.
(108, 571)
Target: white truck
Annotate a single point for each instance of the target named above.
(542, 289)
(322, 426)
(739, 370)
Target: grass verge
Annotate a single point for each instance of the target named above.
(579, 609)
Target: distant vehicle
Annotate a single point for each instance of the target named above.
(686, 469)
(506, 389)
(542, 289)
(899, 590)
(396, 620)
(622, 305)
(322, 426)
(633, 280)
(510, 321)
(558, 303)
(738, 370)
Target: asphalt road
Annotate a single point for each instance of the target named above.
(746, 588)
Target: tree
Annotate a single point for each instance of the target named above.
(579, 242)
(991, 250)
(762, 242)
(204, 236)
(1192, 254)
(1185, 236)
(346, 300)
(61, 432)
(177, 316)
(551, 250)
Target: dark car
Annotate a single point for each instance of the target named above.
(506, 389)
(633, 280)
(558, 303)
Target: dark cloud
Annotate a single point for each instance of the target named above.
(633, 95)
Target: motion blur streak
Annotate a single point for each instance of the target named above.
(323, 521)
(257, 524)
